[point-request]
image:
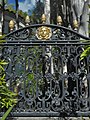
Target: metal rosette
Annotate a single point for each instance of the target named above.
(43, 33)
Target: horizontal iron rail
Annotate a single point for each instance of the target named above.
(36, 40)
(48, 114)
(43, 43)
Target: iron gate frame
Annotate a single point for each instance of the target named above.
(60, 36)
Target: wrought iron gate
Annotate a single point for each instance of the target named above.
(45, 69)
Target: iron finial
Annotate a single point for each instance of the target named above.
(27, 20)
(75, 24)
(59, 20)
(11, 25)
(43, 18)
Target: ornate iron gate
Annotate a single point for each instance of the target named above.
(45, 69)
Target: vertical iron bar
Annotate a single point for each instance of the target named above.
(17, 17)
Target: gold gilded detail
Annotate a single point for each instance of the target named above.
(43, 33)
(27, 20)
(59, 20)
(11, 25)
(43, 18)
(75, 24)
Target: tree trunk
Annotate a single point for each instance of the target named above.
(47, 10)
(80, 13)
(83, 28)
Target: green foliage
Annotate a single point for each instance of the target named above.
(31, 84)
(10, 8)
(2, 39)
(37, 12)
(22, 14)
(31, 79)
(7, 97)
(7, 112)
(85, 53)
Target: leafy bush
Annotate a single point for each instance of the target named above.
(86, 52)
(7, 97)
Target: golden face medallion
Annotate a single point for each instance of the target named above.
(43, 33)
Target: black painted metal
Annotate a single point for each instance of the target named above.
(48, 76)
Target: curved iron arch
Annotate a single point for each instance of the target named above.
(29, 32)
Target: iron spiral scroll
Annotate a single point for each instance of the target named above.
(47, 72)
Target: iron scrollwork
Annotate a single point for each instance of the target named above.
(50, 79)
(43, 32)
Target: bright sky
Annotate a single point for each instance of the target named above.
(24, 5)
